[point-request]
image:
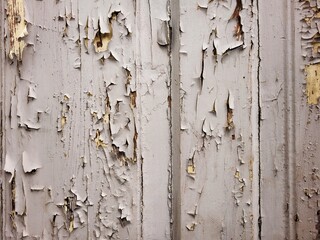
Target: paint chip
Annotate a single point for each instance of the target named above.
(30, 164)
(191, 226)
(163, 37)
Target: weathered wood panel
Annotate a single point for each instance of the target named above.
(305, 69)
(154, 87)
(289, 87)
(219, 136)
(71, 144)
(159, 119)
(274, 90)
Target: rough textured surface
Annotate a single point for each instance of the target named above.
(71, 150)
(289, 88)
(307, 120)
(218, 120)
(125, 119)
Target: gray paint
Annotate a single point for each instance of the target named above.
(218, 118)
(159, 119)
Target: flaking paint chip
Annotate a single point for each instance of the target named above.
(163, 33)
(29, 164)
(191, 226)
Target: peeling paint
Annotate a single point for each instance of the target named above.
(163, 37)
(313, 83)
(30, 164)
(217, 64)
(191, 226)
(310, 47)
(103, 36)
(230, 108)
(90, 138)
(17, 28)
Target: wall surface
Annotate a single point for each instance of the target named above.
(141, 119)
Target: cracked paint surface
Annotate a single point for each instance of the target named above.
(310, 19)
(217, 39)
(71, 156)
(106, 105)
(86, 110)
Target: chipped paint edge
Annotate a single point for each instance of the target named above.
(2, 57)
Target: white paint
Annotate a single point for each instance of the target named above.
(159, 120)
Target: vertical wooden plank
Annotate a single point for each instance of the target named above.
(2, 57)
(175, 120)
(219, 141)
(272, 129)
(154, 84)
(307, 88)
(107, 30)
(277, 124)
(71, 145)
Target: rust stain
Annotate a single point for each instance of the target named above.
(313, 82)
(17, 28)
